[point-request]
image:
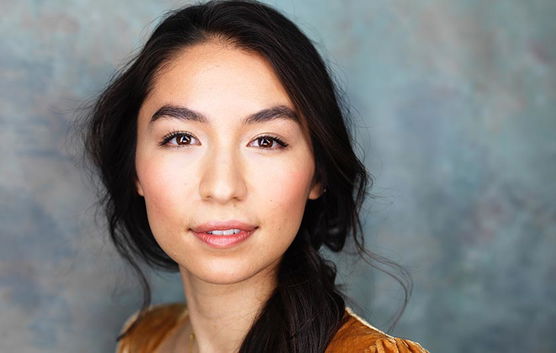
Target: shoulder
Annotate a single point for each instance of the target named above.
(358, 336)
(144, 331)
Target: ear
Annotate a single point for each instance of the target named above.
(139, 187)
(316, 191)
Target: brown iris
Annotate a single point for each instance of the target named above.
(183, 140)
(267, 140)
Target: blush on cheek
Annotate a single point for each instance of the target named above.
(160, 196)
(291, 195)
(163, 177)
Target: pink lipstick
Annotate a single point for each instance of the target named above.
(223, 234)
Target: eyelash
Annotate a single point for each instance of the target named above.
(174, 134)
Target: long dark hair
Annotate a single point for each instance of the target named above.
(306, 308)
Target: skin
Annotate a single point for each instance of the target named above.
(225, 171)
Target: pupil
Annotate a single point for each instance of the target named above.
(183, 139)
(266, 141)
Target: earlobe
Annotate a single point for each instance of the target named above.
(316, 191)
(139, 188)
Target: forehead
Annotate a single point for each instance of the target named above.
(206, 74)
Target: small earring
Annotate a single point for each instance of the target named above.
(324, 190)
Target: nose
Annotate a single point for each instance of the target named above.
(222, 178)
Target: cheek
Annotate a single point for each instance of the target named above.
(288, 187)
(286, 191)
(165, 192)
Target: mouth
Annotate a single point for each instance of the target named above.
(224, 227)
(224, 234)
(223, 241)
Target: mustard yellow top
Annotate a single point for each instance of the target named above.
(355, 336)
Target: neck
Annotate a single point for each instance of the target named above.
(220, 315)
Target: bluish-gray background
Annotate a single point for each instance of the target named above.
(455, 110)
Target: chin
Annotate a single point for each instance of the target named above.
(223, 277)
(226, 273)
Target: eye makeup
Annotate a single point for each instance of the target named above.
(182, 138)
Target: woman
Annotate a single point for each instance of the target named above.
(224, 156)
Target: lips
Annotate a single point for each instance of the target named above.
(224, 225)
(220, 241)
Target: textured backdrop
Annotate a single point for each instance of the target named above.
(454, 107)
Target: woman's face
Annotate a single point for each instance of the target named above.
(206, 153)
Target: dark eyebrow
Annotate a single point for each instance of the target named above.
(183, 113)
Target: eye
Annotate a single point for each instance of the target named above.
(177, 138)
(267, 141)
